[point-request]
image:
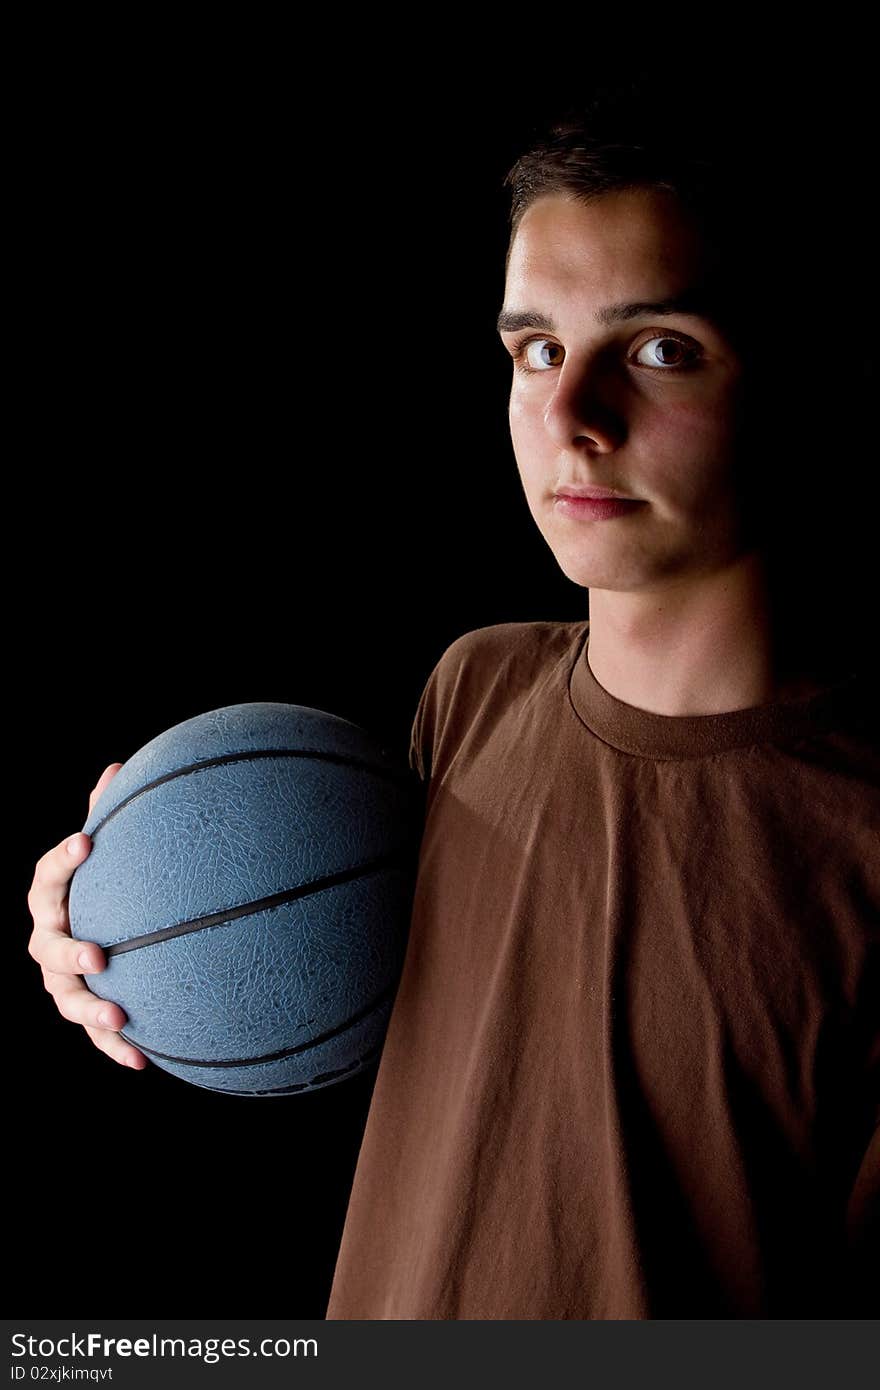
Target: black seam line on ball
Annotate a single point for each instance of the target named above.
(270, 1056)
(402, 778)
(315, 1083)
(230, 914)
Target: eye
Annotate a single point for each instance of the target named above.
(528, 362)
(676, 352)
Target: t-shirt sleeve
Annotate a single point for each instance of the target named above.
(421, 744)
(443, 693)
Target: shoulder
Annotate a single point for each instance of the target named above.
(481, 674)
(504, 649)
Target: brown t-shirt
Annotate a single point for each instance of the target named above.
(632, 1066)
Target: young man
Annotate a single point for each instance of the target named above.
(631, 1069)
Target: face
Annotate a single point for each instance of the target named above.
(643, 403)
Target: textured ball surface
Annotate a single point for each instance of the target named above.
(250, 880)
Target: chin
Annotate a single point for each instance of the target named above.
(589, 575)
(596, 571)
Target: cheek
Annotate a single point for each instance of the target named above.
(520, 417)
(701, 422)
(531, 445)
(687, 446)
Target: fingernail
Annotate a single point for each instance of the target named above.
(104, 1019)
(85, 960)
(73, 844)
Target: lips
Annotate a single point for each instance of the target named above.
(594, 508)
(594, 493)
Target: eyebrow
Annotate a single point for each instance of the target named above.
(692, 301)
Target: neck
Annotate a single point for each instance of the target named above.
(703, 645)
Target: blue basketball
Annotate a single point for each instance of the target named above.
(250, 880)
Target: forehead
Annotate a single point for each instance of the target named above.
(632, 240)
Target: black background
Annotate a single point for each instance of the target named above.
(264, 456)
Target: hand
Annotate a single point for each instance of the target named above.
(63, 959)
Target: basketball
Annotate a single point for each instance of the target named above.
(250, 880)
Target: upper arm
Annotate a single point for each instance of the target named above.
(421, 743)
(435, 699)
(455, 685)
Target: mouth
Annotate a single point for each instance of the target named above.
(585, 505)
(599, 494)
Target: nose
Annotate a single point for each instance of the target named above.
(578, 412)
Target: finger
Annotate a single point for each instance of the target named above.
(75, 1001)
(51, 943)
(117, 1048)
(57, 866)
(101, 1019)
(52, 875)
(106, 776)
(61, 954)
